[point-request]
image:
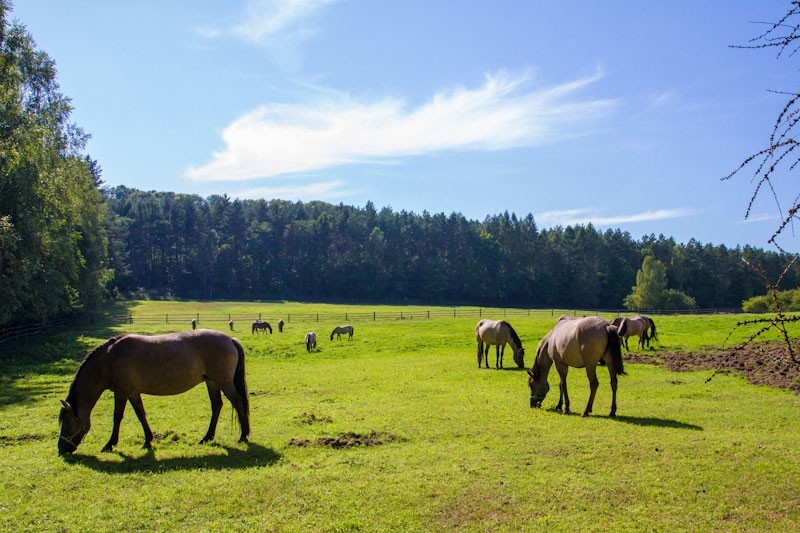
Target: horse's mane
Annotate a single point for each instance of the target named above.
(513, 333)
(72, 396)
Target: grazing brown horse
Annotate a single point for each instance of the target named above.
(260, 325)
(338, 330)
(132, 365)
(498, 333)
(280, 325)
(311, 341)
(578, 343)
(636, 326)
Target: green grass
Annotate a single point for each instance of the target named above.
(461, 448)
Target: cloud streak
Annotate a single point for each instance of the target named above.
(266, 19)
(575, 217)
(502, 113)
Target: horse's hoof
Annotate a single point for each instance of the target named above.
(244, 440)
(148, 445)
(107, 448)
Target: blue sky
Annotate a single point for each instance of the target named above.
(624, 114)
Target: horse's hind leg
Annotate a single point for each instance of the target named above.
(215, 396)
(138, 408)
(229, 389)
(119, 412)
(498, 360)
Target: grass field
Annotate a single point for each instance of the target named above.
(454, 447)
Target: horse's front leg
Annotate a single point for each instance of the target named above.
(562, 375)
(215, 396)
(138, 408)
(498, 361)
(591, 373)
(119, 412)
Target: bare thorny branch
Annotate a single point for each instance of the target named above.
(780, 155)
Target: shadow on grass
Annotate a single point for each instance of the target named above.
(235, 458)
(656, 422)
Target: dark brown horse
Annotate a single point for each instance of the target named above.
(578, 343)
(280, 325)
(498, 333)
(132, 365)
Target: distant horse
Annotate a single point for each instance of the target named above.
(338, 330)
(651, 334)
(194, 323)
(311, 341)
(636, 326)
(280, 326)
(230, 324)
(261, 325)
(131, 365)
(498, 333)
(578, 343)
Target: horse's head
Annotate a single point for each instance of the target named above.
(519, 357)
(539, 388)
(73, 429)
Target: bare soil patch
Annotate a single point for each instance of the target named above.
(762, 363)
(346, 440)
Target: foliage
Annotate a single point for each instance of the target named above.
(651, 292)
(461, 449)
(787, 300)
(186, 246)
(54, 250)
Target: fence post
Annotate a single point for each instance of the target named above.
(317, 317)
(373, 316)
(429, 313)
(167, 318)
(454, 313)
(130, 319)
(198, 318)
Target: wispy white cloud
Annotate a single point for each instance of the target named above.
(275, 24)
(763, 217)
(574, 217)
(502, 113)
(325, 191)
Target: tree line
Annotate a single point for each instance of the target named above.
(186, 246)
(67, 242)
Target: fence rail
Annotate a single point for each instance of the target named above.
(211, 319)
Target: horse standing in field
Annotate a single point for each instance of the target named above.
(260, 325)
(338, 330)
(636, 326)
(578, 343)
(230, 324)
(131, 365)
(311, 341)
(194, 324)
(498, 333)
(280, 325)
(651, 333)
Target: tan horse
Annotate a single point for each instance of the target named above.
(132, 365)
(311, 341)
(338, 330)
(636, 326)
(578, 343)
(498, 333)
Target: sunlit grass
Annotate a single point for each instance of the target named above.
(460, 448)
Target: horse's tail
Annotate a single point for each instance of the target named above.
(652, 329)
(240, 383)
(616, 350)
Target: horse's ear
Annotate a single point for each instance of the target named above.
(66, 405)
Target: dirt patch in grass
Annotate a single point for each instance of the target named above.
(6, 440)
(309, 419)
(763, 363)
(346, 440)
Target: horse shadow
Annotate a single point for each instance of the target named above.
(235, 458)
(656, 422)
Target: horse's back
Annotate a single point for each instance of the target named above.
(488, 331)
(172, 363)
(577, 341)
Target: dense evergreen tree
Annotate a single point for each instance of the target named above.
(187, 246)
